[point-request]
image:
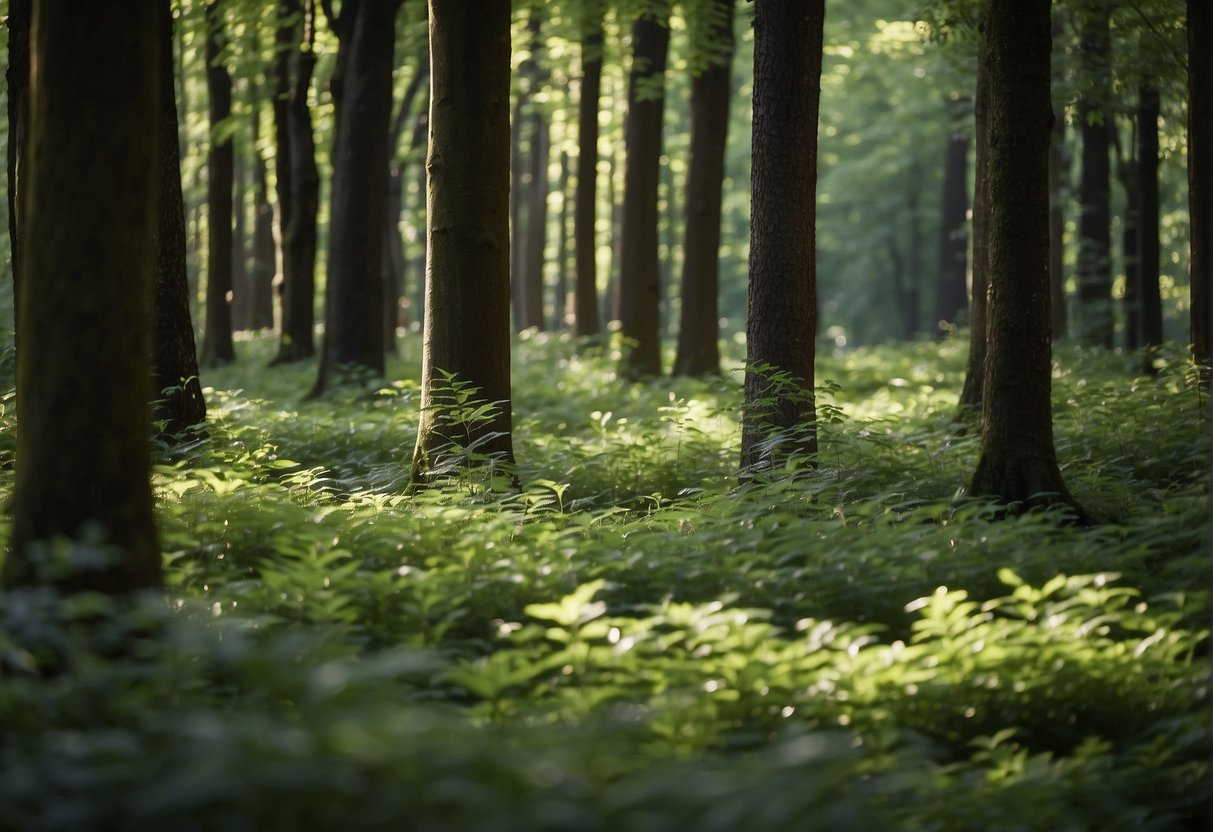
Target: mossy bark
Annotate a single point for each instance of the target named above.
(83, 381)
(1018, 462)
(782, 320)
(467, 301)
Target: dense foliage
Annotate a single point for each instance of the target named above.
(632, 639)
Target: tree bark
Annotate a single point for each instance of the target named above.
(302, 204)
(1148, 242)
(1094, 225)
(975, 370)
(1200, 176)
(1059, 164)
(951, 294)
(640, 271)
(83, 383)
(240, 274)
(286, 44)
(711, 90)
(17, 78)
(217, 347)
(585, 211)
(535, 239)
(1018, 462)
(780, 413)
(261, 278)
(353, 337)
(467, 324)
(176, 389)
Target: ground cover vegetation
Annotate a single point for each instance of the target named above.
(633, 639)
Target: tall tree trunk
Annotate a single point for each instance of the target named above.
(975, 370)
(217, 347)
(640, 271)
(286, 44)
(698, 331)
(17, 77)
(467, 325)
(536, 221)
(780, 415)
(353, 337)
(261, 279)
(176, 390)
(1018, 462)
(1058, 165)
(517, 205)
(1131, 248)
(951, 294)
(240, 274)
(585, 211)
(1094, 226)
(83, 461)
(562, 312)
(302, 205)
(1200, 176)
(1148, 242)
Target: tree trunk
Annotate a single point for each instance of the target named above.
(517, 191)
(417, 149)
(951, 294)
(286, 44)
(217, 345)
(536, 222)
(353, 336)
(1058, 165)
(17, 77)
(1148, 242)
(1094, 226)
(1131, 249)
(1200, 176)
(467, 325)
(261, 279)
(780, 415)
(302, 205)
(176, 390)
(83, 457)
(975, 370)
(240, 278)
(585, 210)
(1018, 462)
(640, 271)
(698, 331)
(562, 313)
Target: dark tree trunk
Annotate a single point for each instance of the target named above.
(176, 390)
(639, 269)
(975, 370)
(261, 279)
(84, 378)
(17, 77)
(286, 44)
(217, 345)
(353, 337)
(780, 415)
(1200, 175)
(698, 332)
(303, 203)
(951, 294)
(1094, 225)
(467, 324)
(1058, 165)
(536, 222)
(561, 315)
(1018, 462)
(1148, 242)
(585, 211)
(240, 277)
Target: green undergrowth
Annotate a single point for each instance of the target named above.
(632, 637)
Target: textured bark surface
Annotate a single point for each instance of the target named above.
(975, 370)
(1018, 462)
(639, 269)
(1147, 220)
(782, 322)
(467, 303)
(17, 82)
(301, 205)
(217, 345)
(585, 211)
(698, 331)
(176, 389)
(286, 44)
(353, 309)
(83, 382)
(1200, 173)
(951, 294)
(1094, 191)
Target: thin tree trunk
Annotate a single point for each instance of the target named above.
(585, 212)
(286, 44)
(640, 271)
(176, 390)
(562, 313)
(536, 222)
(1018, 462)
(780, 414)
(1094, 226)
(1148, 242)
(467, 327)
(711, 90)
(1131, 248)
(217, 347)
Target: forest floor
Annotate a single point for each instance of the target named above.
(633, 638)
